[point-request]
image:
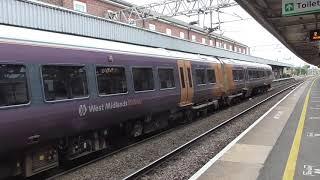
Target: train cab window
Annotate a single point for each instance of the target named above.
(64, 82)
(111, 80)
(13, 85)
(211, 76)
(143, 79)
(166, 78)
(200, 76)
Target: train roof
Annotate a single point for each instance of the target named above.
(45, 38)
(245, 63)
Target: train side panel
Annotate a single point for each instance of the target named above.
(65, 118)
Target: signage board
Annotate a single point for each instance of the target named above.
(315, 35)
(298, 7)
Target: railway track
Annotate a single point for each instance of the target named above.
(159, 161)
(185, 146)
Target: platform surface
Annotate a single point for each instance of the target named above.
(283, 144)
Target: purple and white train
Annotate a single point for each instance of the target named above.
(63, 96)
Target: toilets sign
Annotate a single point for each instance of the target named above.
(297, 7)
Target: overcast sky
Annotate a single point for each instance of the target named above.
(246, 31)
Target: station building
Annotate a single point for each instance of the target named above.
(168, 26)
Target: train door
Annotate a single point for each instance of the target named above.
(186, 82)
(245, 77)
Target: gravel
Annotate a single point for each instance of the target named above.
(187, 163)
(121, 164)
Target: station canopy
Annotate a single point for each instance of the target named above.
(293, 22)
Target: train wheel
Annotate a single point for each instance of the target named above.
(204, 112)
(137, 129)
(133, 128)
(222, 103)
(189, 116)
(212, 108)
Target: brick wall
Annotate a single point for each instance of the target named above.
(99, 8)
(67, 4)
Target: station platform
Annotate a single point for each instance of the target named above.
(282, 144)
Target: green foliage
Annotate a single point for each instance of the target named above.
(301, 70)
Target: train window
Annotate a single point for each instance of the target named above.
(13, 85)
(235, 75)
(189, 77)
(166, 78)
(111, 80)
(183, 84)
(250, 74)
(260, 74)
(241, 75)
(253, 74)
(64, 82)
(238, 75)
(200, 76)
(143, 79)
(211, 76)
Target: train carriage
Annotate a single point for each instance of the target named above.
(63, 96)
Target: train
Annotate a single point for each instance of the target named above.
(65, 96)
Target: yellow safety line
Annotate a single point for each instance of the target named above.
(292, 159)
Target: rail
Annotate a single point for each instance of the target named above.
(58, 174)
(180, 149)
(283, 79)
